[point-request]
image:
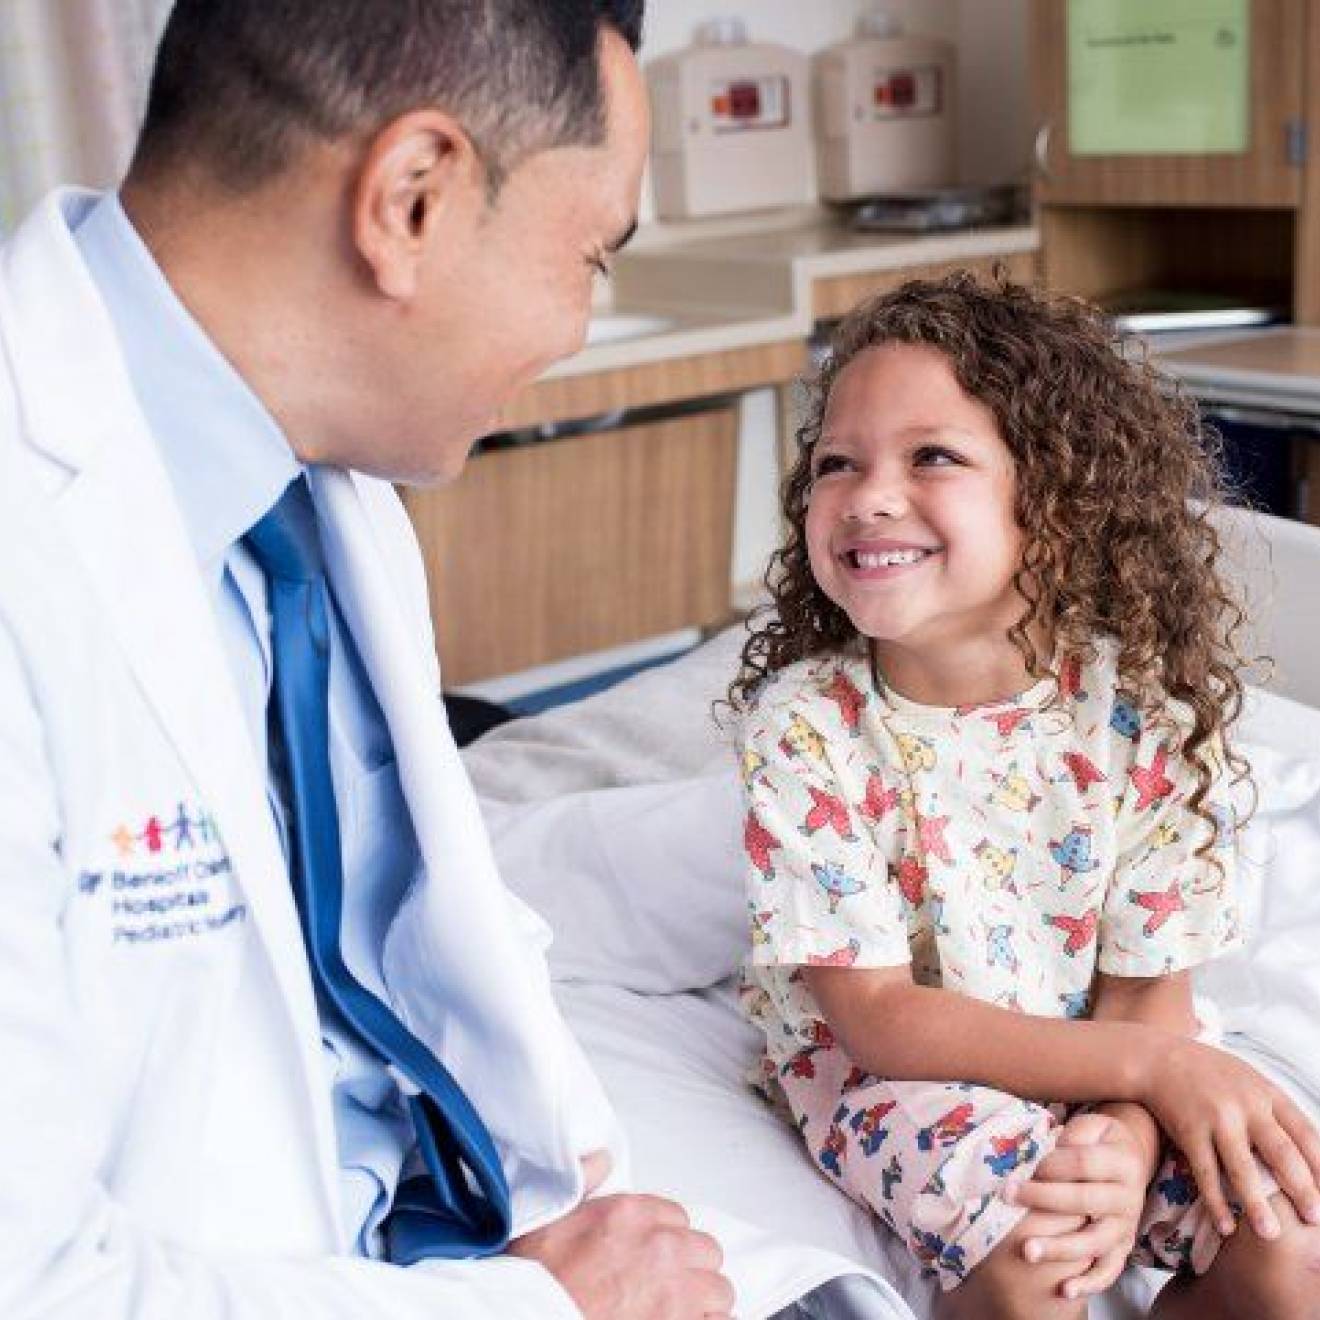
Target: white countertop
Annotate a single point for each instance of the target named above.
(821, 248)
(1277, 367)
(718, 288)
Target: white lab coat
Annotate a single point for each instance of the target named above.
(166, 1138)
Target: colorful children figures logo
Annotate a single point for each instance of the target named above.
(168, 878)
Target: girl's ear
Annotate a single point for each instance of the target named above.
(420, 178)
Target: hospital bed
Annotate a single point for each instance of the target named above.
(618, 819)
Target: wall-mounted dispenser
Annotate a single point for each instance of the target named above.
(730, 127)
(885, 112)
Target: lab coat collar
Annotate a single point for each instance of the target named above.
(118, 509)
(55, 315)
(455, 967)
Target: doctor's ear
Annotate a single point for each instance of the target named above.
(420, 173)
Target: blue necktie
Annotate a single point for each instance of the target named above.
(448, 1214)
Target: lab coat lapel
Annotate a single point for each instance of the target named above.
(453, 962)
(118, 510)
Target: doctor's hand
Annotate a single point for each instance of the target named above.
(630, 1257)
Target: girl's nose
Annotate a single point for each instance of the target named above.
(881, 495)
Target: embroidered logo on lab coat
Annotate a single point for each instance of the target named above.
(171, 879)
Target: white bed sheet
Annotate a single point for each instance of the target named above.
(619, 820)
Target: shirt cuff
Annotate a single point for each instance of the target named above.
(511, 1287)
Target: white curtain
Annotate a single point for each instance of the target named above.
(73, 77)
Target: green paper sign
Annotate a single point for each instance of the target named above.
(1158, 77)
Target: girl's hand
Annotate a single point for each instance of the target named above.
(1222, 1114)
(1098, 1170)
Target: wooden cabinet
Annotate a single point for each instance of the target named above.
(1244, 225)
(564, 547)
(1267, 174)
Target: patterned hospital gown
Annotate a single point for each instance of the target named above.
(1005, 851)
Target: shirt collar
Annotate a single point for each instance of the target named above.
(226, 456)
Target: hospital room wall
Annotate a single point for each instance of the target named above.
(994, 140)
(72, 86)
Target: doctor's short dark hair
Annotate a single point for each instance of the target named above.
(1115, 480)
(240, 86)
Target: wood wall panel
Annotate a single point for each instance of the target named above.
(1092, 253)
(552, 550)
(1097, 251)
(837, 295)
(572, 398)
(1306, 305)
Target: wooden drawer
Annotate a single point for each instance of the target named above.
(569, 546)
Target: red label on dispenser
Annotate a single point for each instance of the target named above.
(908, 93)
(737, 104)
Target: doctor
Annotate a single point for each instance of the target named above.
(274, 1040)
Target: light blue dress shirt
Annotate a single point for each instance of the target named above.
(229, 462)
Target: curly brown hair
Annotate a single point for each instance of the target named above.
(1115, 481)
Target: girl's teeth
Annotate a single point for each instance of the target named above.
(887, 558)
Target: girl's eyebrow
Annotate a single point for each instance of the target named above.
(941, 428)
(918, 432)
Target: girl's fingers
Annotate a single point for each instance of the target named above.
(1085, 1129)
(1103, 1162)
(1307, 1140)
(1093, 1200)
(1102, 1274)
(1204, 1165)
(1238, 1161)
(1285, 1161)
(1097, 1239)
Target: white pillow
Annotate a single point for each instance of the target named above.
(1283, 726)
(654, 727)
(1268, 992)
(642, 885)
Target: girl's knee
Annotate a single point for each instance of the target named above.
(1278, 1278)
(1006, 1286)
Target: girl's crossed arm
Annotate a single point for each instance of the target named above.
(1089, 1173)
(1137, 1049)
(1164, 1002)
(907, 1032)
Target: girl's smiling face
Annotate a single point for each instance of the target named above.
(910, 523)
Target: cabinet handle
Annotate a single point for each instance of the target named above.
(1041, 151)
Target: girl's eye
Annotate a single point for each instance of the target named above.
(826, 464)
(935, 456)
(599, 266)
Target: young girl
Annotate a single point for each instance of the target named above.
(983, 738)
